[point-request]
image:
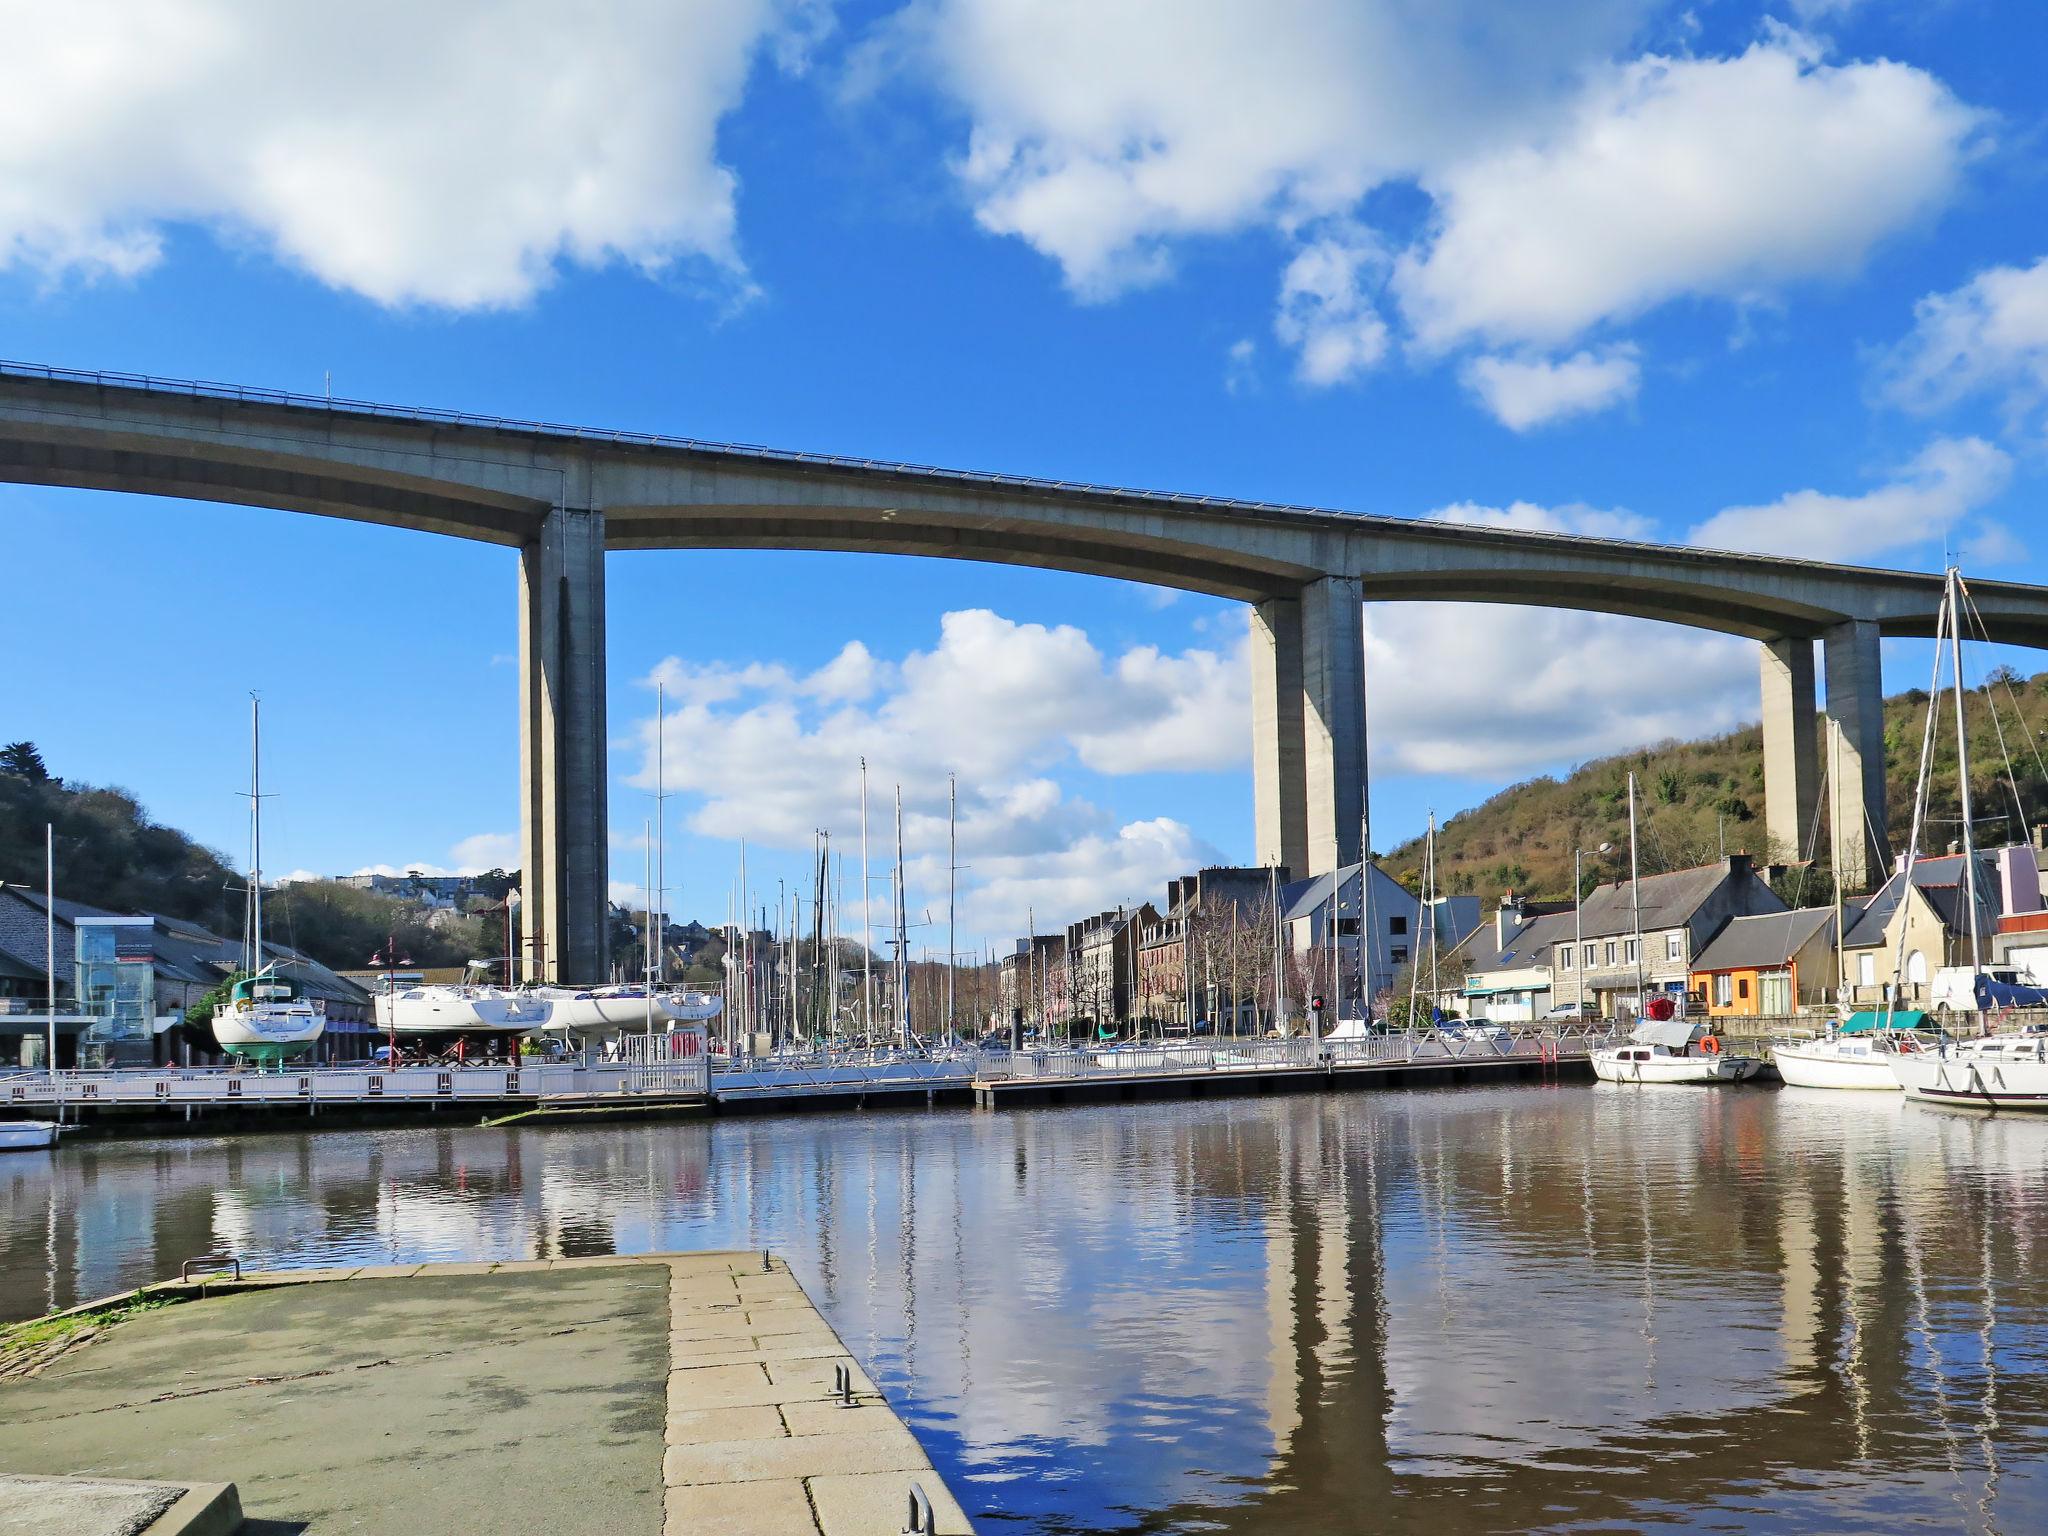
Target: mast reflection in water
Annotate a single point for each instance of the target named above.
(1532, 1308)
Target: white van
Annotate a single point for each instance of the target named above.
(1955, 986)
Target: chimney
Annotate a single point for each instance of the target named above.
(1738, 865)
(1507, 920)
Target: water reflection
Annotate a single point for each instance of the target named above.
(1476, 1310)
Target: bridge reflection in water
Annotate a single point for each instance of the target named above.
(1512, 1309)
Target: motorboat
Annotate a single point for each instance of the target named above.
(27, 1135)
(1670, 1051)
(1997, 1072)
(1857, 1056)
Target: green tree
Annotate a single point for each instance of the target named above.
(21, 759)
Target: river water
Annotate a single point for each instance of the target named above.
(1532, 1308)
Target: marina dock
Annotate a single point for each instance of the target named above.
(664, 1393)
(153, 1102)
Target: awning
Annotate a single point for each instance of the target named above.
(1874, 1018)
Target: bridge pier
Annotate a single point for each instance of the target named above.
(1308, 726)
(1790, 766)
(562, 778)
(1855, 676)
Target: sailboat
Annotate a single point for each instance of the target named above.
(1856, 1055)
(1996, 1071)
(265, 1018)
(1662, 1050)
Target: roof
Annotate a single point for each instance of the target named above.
(1940, 880)
(1668, 900)
(1528, 945)
(1770, 938)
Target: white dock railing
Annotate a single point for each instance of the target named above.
(132, 1087)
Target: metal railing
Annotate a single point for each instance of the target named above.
(348, 1085)
(855, 1072)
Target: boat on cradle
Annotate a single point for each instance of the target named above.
(27, 1135)
(265, 1019)
(598, 1008)
(1998, 1072)
(1856, 1056)
(1670, 1051)
(425, 1009)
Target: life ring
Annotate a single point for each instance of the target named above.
(1711, 1046)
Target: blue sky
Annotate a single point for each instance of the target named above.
(1634, 269)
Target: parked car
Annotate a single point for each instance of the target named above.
(1572, 1011)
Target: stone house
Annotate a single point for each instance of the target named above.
(1179, 950)
(1931, 915)
(1595, 960)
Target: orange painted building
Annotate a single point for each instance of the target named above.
(1773, 964)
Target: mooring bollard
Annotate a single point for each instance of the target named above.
(922, 1521)
(765, 1265)
(842, 1384)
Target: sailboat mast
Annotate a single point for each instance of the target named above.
(1955, 640)
(952, 869)
(1835, 851)
(1919, 809)
(255, 833)
(867, 918)
(648, 987)
(660, 892)
(902, 934)
(50, 944)
(1365, 934)
(1635, 892)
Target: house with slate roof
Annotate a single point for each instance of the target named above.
(1680, 913)
(1931, 913)
(1770, 964)
(1507, 963)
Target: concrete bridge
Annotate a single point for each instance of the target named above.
(564, 497)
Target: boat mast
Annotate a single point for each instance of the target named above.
(255, 833)
(902, 935)
(1835, 854)
(647, 988)
(1279, 962)
(1635, 893)
(1919, 811)
(1365, 935)
(867, 920)
(952, 869)
(658, 897)
(50, 943)
(1955, 640)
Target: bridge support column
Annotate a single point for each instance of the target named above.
(1790, 767)
(1333, 719)
(562, 821)
(1279, 788)
(1856, 801)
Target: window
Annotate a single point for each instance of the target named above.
(1564, 957)
(1588, 957)
(1347, 926)
(1629, 952)
(1742, 989)
(1916, 967)
(1611, 952)
(1866, 969)
(1723, 993)
(1398, 953)
(1397, 924)
(1674, 946)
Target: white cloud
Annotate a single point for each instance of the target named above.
(1326, 313)
(1571, 187)
(451, 154)
(1927, 501)
(1496, 692)
(1574, 517)
(487, 850)
(1530, 392)
(772, 754)
(1103, 129)
(1990, 335)
(1723, 177)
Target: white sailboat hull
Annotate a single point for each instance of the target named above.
(1616, 1064)
(284, 1030)
(2009, 1079)
(1826, 1064)
(456, 1011)
(625, 1011)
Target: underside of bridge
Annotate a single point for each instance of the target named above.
(563, 498)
